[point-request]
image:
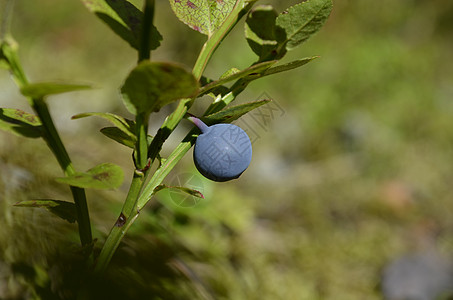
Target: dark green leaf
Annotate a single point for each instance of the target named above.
(119, 136)
(103, 176)
(302, 20)
(20, 123)
(125, 125)
(289, 66)
(253, 71)
(152, 85)
(63, 209)
(40, 90)
(260, 30)
(204, 16)
(124, 19)
(233, 113)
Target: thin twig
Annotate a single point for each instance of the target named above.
(6, 18)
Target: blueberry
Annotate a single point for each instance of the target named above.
(222, 151)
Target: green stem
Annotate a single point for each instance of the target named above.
(6, 18)
(144, 51)
(214, 41)
(124, 222)
(166, 167)
(141, 148)
(54, 142)
(113, 240)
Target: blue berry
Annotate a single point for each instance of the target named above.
(222, 151)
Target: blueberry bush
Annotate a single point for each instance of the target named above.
(149, 88)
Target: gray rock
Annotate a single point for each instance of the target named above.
(417, 276)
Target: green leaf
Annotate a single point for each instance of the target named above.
(253, 71)
(204, 16)
(42, 89)
(152, 85)
(189, 191)
(124, 19)
(125, 125)
(119, 136)
(289, 66)
(103, 176)
(63, 209)
(20, 123)
(233, 113)
(301, 21)
(260, 30)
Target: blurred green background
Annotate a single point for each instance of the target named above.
(354, 169)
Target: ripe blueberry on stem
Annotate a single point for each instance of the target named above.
(222, 151)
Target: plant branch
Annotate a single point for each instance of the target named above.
(6, 18)
(53, 141)
(123, 224)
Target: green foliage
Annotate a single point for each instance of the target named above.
(301, 21)
(103, 176)
(62, 209)
(204, 16)
(124, 19)
(289, 66)
(42, 89)
(148, 88)
(152, 85)
(235, 74)
(271, 35)
(233, 112)
(20, 123)
(260, 30)
(127, 127)
(119, 136)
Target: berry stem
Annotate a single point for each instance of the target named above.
(199, 123)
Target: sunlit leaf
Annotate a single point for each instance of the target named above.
(124, 19)
(42, 89)
(103, 176)
(253, 71)
(152, 85)
(233, 113)
(303, 20)
(289, 66)
(20, 123)
(62, 209)
(204, 16)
